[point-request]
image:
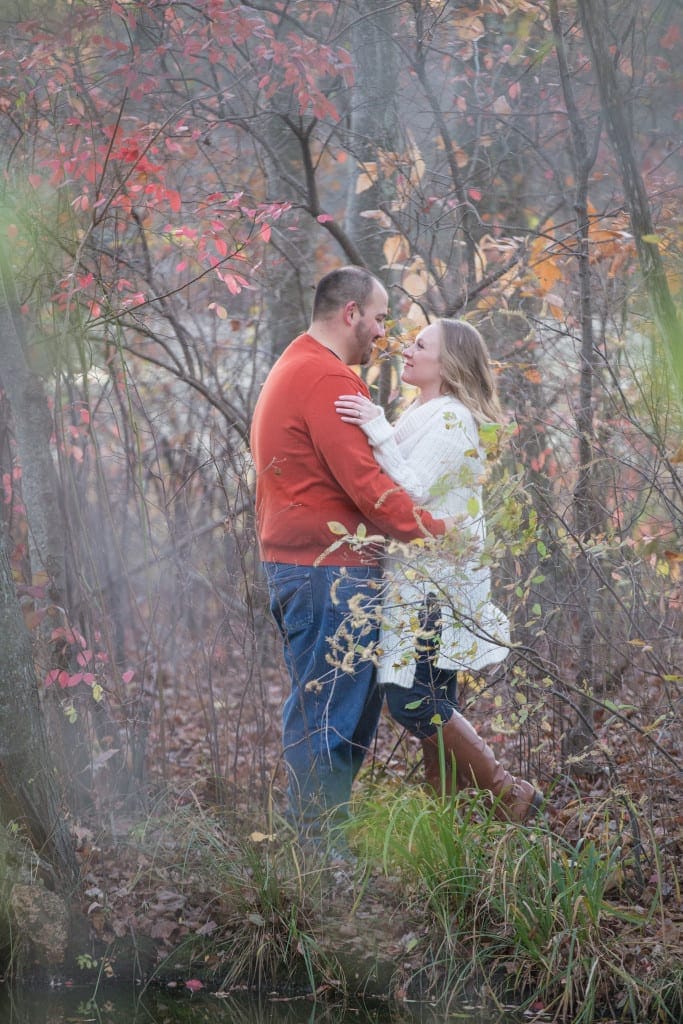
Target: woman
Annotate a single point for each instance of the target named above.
(437, 614)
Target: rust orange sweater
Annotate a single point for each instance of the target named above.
(312, 469)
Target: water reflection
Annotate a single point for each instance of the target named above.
(125, 1007)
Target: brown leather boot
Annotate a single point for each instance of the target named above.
(476, 764)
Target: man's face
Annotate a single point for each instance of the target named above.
(369, 325)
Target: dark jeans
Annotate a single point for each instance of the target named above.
(432, 698)
(328, 617)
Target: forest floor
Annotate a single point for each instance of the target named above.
(142, 905)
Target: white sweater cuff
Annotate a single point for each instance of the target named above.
(378, 430)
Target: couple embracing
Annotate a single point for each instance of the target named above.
(363, 619)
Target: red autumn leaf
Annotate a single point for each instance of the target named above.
(671, 38)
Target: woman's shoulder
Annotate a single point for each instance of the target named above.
(444, 417)
(454, 404)
(456, 413)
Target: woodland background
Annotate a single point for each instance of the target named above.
(175, 178)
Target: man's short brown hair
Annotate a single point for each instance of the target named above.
(346, 284)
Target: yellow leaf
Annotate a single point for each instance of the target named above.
(261, 837)
(380, 216)
(489, 433)
(461, 157)
(556, 305)
(32, 618)
(470, 26)
(367, 177)
(416, 315)
(395, 249)
(337, 529)
(416, 283)
(544, 264)
(417, 164)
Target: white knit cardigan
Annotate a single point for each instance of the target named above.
(433, 453)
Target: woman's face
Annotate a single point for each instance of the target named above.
(422, 359)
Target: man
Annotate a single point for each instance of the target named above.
(316, 478)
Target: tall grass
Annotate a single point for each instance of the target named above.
(495, 911)
(260, 891)
(520, 911)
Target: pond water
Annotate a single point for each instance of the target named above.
(125, 1007)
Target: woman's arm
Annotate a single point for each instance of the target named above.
(371, 419)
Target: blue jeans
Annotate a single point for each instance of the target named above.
(433, 697)
(328, 618)
(430, 700)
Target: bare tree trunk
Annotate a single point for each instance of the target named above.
(289, 260)
(41, 493)
(595, 20)
(32, 427)
(29, 793)
(373, 125)
(444, 126)
(587, 513)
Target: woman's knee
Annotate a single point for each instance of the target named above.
(413, 711)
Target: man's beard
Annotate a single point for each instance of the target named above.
(365, 342)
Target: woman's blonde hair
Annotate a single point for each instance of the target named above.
(466, 370)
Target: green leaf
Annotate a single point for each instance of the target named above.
(488, 432)
(619, 708)
(473, 507)
(652, 239)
